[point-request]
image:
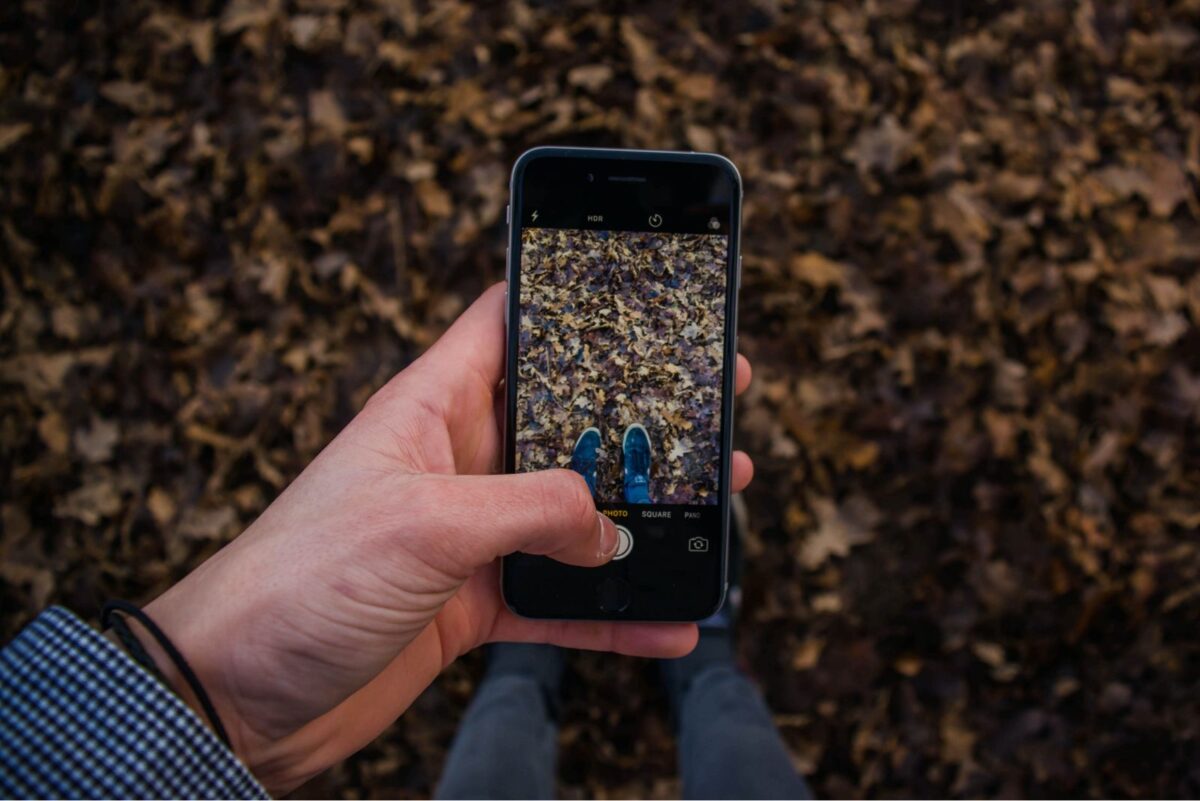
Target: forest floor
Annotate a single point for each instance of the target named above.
(971, 297)
(620, 329)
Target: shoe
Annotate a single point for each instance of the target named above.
(583, 457)
(636, 447)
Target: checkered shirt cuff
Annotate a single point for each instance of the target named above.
(80, 719)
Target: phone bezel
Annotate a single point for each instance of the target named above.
(512, 322)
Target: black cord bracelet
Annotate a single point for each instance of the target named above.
(134, 646)
(137, 651)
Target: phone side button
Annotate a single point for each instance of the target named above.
(613, 595)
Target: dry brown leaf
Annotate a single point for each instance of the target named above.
(591, 77)
(11, 133)
(326, 113)
(207, 524)
(884, 147)
(92, 502)
(53, 430)
(137, 97)
(839, 528)
(162, 508)
(435, 201)
(202, 37)
(817, 270)
(96, 442)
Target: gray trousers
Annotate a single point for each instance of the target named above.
(507, 744)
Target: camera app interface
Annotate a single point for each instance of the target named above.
(620, 365)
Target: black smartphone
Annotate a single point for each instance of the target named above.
(623, 272)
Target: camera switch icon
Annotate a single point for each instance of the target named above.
(698, 545)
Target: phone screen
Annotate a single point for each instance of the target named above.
(621, 302)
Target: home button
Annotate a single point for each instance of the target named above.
(613, 595)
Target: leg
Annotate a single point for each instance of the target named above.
(728, 744)
(507, 743)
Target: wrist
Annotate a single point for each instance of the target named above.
(167, 672)
(212, 645)
(145, 641)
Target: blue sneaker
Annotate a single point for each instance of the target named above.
(583, 457)
(636, 445)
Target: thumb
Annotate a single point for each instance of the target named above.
(547, 513)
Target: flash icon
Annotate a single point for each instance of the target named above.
(535, 216)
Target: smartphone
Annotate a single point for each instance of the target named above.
(623, 273)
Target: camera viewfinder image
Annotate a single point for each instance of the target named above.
(620, 361)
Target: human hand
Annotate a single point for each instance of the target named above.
(378, 566)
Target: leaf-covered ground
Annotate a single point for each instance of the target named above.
(620, 328)
(971, 295)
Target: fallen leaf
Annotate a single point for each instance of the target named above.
(326, 113)
(96, 442)
(884, 147)
(92, 502)
(162, 508)
(839, 528)
(136, 97)
(52, 428)
(817, 270)
(591, 77)
(11, 133)
(207, 524)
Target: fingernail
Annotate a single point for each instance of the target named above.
(608, 537)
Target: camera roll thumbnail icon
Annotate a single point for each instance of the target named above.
(698, 545)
